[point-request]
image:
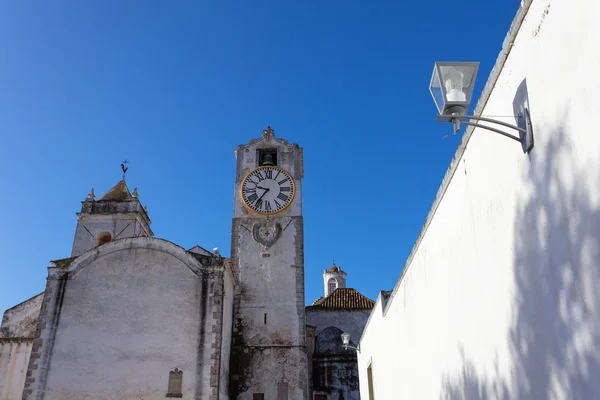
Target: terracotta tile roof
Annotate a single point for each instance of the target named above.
(120, 192)
(344, 299)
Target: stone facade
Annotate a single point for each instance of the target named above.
(334, 370)
(269, 346)
(116, 215)
(16, 340)
(130, 316)
(157, 308)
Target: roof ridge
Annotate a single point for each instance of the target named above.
(344, 298)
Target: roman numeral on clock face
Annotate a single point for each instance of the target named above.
(283, 197)
(252, 198)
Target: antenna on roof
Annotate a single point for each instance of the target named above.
(124, 168)
(333, 260)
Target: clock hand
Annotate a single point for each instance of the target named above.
(263, 195)
(260, 187)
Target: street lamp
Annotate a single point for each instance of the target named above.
(346, 342)
(451, 87)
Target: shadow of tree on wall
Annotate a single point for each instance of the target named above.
(555, 337)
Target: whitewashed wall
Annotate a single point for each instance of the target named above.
(500, 299)
(14, 356)
(123, 316)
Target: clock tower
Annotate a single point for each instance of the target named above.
(268, 359)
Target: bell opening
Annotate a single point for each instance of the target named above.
(267, 157)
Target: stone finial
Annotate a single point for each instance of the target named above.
(268, 133)
(135, 193)
(146, 209)
(91, 196)
(216, 251)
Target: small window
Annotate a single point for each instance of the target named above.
(267, 157)
(320, 397)
(104, 238)
(175, 382)
(332, 285)
(258, 396)
(370, 382)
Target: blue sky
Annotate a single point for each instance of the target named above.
(174, 87)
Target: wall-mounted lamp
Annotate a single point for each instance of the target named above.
(346, 342)
(452, 88)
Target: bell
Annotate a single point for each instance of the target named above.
(267, 160)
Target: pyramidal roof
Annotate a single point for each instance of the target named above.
(344, 299)
(120, 192)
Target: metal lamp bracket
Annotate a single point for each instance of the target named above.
(347, 346)
(525, 135)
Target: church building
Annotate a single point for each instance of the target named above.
(131, 316)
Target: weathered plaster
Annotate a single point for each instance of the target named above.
(121, 316)
(226, 331)
(269, 346)
(14, 357)
(350, 321)
(17, 332)
(335, 369)
(20, 321)
(121, 219)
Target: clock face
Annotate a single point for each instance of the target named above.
(268, 190)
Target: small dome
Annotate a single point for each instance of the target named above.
(334, 268)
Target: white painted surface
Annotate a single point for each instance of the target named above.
(132, 312)
(14, 357)
(500, 299)
(338, 276)
(119, 226)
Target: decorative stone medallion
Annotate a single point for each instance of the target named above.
(265, 234)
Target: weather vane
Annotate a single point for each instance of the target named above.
(124, 168)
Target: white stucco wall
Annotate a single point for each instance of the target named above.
(132, 311)
(340, 278)
(91, 227)
(14, 356)
(499, 298)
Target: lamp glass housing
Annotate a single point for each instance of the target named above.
(452, 85)
(345, 339)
